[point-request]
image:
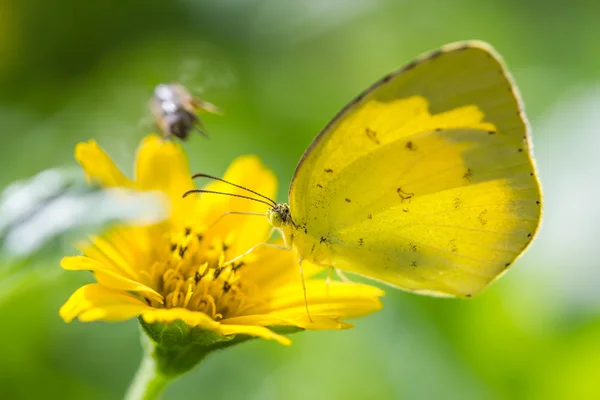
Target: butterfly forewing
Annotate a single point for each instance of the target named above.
(426, 180)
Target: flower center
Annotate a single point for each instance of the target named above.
(190, 274)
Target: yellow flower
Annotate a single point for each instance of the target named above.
(176, 270)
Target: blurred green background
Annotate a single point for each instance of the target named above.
(72, 70)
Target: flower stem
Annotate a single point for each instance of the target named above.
(148, 382)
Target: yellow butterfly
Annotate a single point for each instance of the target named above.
(424, 182)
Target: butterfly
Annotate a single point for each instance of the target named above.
(424, 182)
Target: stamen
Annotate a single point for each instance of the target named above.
(188, 296)
(195, 278)
(202, 269)
(211, 303)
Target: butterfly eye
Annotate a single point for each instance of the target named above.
(275, 218)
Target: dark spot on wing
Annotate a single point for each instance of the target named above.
(386, 78)
(410, 66)
(200, 237)
(413, 247)
(410, 146)
(520, 150)
(348, 200)
(360, 242)
(452, 245)
(303, 228)
(329, 170)
(537, 202)
(491, 132)
(173, 247)
(188, 231)
(404, 196)
(468, 175)
(506, 265)
(413, 264)
(435, 54)
(405, 209)
(226, 287)
(481, 217)
(438, 130)
(372, 135)
(468, 295)
(457, 203)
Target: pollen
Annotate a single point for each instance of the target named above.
(193, 274)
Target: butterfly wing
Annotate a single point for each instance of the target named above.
(425, 181)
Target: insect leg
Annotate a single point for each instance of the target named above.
(328, 280)
(233, 213)
(206, 106)
(304, 289)
(251, 249)
(342, 276)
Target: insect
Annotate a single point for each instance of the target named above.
(175, 110)
(425, 181)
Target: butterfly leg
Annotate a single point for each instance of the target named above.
(251, 249)
(342, 276)
(304, 289)
(328, 280)
(233, 213)
(271, 232)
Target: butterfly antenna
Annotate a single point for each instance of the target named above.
(233, 184)
(225, 194)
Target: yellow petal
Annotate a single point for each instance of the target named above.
(97, 302)
(298, 319)
(125, 248)
(272, 268)
(334, 300)
(108, 277)
(117, 253)
(162, 165)
(98, 166)
(257, 331)
(199, 319)
(191, 318)
(249, 172)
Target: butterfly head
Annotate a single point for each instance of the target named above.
(280, 216)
